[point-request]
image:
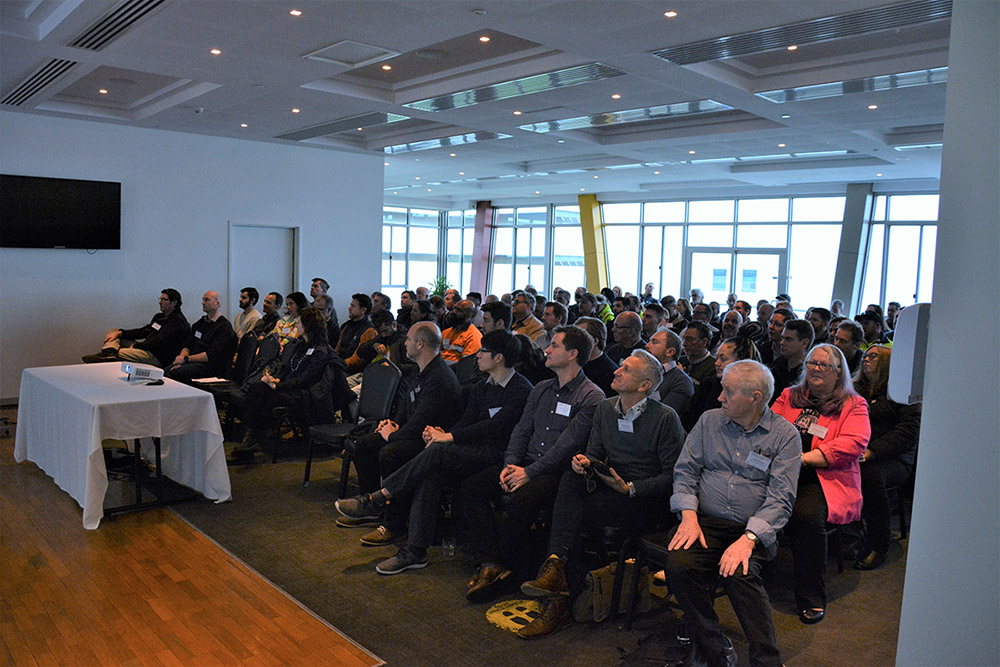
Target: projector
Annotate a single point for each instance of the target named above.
(140, 374)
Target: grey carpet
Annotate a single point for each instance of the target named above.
(422, 618)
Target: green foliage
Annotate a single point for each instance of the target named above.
(440, 286)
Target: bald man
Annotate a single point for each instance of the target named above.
(209, 347)
(627, 330)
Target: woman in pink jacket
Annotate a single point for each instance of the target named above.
(833, 422)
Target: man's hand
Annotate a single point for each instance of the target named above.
(687, 533)
(179, 360)
(737, 554)
(580, 463)
(513, 477)
(434, 434)
(114, 334)
(381, 349)
(614, 481)
(386, 428)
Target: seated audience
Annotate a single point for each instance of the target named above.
(404, 314)
(324, 303)
(462, 339)
(653, 317)
(832, 421)
(775, 325)
(431, 401)
(358, 328)
(286, 327)
(874, 327)
(819, 318)
(891, 454)
(524, 320)
(676, 389)
(380, 302)
(249, 315)
(639, 440)
(628, 336)
(731, 323)
(496, 316)
(849, 338)
(209, 348)
(554, 315)
(729, 522)
(599, 368)
(386, 336)
(320, 286)
(796, 339)
(554, 427)
(697, 361)
(732, 350)
(422, 311)
(272, 313)
(156, 343)
(477, 440)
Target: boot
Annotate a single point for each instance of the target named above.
(554, 617)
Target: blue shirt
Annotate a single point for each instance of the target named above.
(713, 475)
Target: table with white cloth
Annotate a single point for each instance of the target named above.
(64, 412)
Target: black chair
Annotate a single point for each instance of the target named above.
(378, 389)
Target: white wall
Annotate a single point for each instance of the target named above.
(179, 194)
(951, 596)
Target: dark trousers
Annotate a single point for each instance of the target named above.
(190, 371)
(693, 574)
(806, 532)
(878, 475)
(481, 491)
(576, 508)
(374, 459)
(422, 479)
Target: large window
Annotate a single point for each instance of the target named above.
(519, 249)
(567, 249)
(899, 265)
(409, 248)
(458, 246)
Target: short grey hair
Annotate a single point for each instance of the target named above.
(427, 332)
(753, 376)
(651, 370)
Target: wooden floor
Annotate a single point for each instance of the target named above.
(143, 589)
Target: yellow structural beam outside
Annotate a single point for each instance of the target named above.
(595, 261)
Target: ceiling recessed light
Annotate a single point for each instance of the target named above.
(583, 189)
(561, 141)
(484, 39)
(596, 176)
(417, 177)
(792, 47)
(216, 52)
(429, 190)
(879, 173)
(387, 67)
(461, 173)
(616, 96)
(360, 129)
(296, 110)
(781, 145)
(517, 113)
(386, 163)
(656, 173)
(103, 91)
(243, 125)
(451, 154)
(872, 107)
(690, 152)
(671, 14)
(395, 193)
(537, 192)
(785, 115)
(296, 12)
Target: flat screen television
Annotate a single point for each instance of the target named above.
(38, 212)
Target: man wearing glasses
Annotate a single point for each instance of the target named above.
(627, 332)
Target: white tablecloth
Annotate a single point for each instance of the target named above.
(65, 411)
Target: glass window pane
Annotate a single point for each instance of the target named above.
(812, 263)
(710, 274)
(531, 216)
(523, 246)
(818, 209)
(397, 272)
(466, 279)
(423, 218)
(422, 272)
(757, 276)
(623, 260)
(455, 218)
(873, 267)
(386, 238)
(567, 257)
(762, 236)
(504, 216)
(925, 289)
(711, 211)
(469, 233)
(620, 213)
(522, 276)
(567, 215)
(913, 207)
(386, 282)
(901, 266)
(762, 210)
(454, 239)
(673, 249)
(652, 238)
(393, 214)
(423, 240)
(398, 241)
(663, 211)
(501, 274)
(880, 208)
(714, 236)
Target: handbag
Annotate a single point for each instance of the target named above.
(594, 601)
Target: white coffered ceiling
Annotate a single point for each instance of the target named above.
(443, 117)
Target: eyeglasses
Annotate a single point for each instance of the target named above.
(820, 366)
(870, 355)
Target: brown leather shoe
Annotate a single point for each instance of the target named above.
(554, 617)
(486, 583)
(551, 580)
(378, 537)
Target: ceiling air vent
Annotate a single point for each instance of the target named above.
(890, 17)
(114, 24)
(42, 77)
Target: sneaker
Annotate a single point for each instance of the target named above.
(551, 580)
(486, 583)
(378, 537)
(402, 561)
(347, 522)
(359, 507)
(554, 617)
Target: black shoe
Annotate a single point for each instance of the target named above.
(240, 455)
(873, 561)
(811, 616)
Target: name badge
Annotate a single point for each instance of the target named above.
(310, 351)
(625, 426)
(494, 411)
(413, 396)
(156, 326)
(817, 430)
(757, 461)
(563, 409)
(446, 344)
(197, 334)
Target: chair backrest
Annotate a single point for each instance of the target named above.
(378, 388)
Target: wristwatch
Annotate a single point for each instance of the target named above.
(750, 535)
